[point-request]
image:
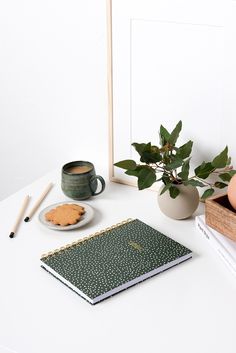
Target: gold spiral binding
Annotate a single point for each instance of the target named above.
(80, 241)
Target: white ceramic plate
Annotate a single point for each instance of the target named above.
(85, 218)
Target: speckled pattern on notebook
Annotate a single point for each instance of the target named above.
(119, 255)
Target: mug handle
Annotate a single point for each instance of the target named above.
(102, 182)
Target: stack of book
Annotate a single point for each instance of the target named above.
(225, 247)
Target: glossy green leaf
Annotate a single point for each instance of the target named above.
(185, 150)
(204, 170)
(135, 171)
(207, 193)
(228, 161)
(139, 147)
(175, 133)
(146, 178)
(166, 179)
(126, 164)
(221, 160)
(194, 182)
(185, 170)
(150, 157)
(174, 191)
(220, 185)
(228, 175)
(155, 149)
(166, 187)
(164, 135)
(176, 163)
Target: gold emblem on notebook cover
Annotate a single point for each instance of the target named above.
(135, 245)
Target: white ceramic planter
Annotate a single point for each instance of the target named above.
(183, 206)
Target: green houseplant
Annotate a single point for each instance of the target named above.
(171, 165)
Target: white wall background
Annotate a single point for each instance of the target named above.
(53, 87)
(53, 84)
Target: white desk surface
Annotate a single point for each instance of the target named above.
(189, 308)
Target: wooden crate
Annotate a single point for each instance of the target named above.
(220, 215)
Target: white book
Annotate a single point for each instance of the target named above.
(224, 246)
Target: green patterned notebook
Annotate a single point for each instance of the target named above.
(114, 259)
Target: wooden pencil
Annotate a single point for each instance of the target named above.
(19, 216)
(38, 202)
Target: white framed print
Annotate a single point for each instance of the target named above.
(171, 60)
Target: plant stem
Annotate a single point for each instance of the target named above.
(203, 181)
(160, 169)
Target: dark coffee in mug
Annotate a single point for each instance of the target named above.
(79, 180)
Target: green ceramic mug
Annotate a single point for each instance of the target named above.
(79, 180)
